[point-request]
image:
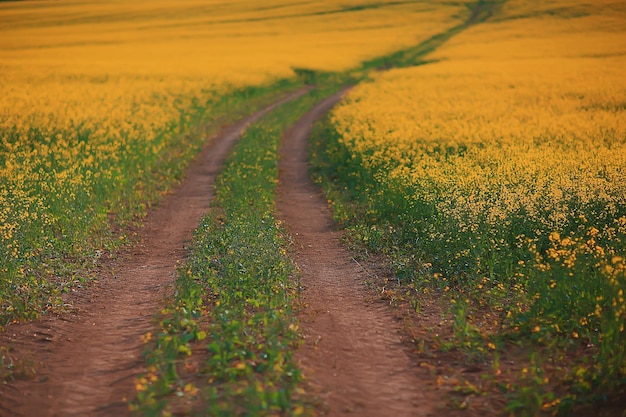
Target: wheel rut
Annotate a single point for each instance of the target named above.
(86, 360)
(353, 357)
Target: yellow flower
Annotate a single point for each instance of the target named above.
(141, 384)
(146, 337)
(191, 389)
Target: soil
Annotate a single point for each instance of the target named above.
(354, 356)
(84, 362)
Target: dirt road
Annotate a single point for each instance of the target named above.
(354, 357)
(86, 360)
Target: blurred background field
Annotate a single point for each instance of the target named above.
(496, 175)
(98, 103)
(234, 42)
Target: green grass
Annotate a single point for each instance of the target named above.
(236, 297)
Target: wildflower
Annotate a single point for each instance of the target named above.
(190, 389)
(141, 384)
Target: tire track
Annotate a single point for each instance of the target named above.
(86, 360)
(353, 356)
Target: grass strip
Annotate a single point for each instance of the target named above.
(225, 341)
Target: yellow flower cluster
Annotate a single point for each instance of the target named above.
(486, 134)
(513, 144)
(60, 144)
(509, 137)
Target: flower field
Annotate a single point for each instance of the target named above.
(489, 171)
(497, 175)
(98, 103)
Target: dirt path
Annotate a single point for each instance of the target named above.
(87, 359)
(353, 355)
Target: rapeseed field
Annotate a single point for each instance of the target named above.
(496, 174)
(97, 102)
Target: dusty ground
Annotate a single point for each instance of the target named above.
(354, 356)
(86, 360)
